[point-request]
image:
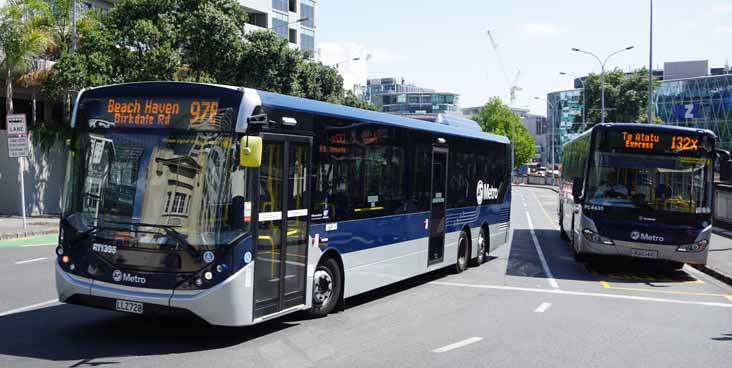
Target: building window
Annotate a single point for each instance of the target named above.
(280, 25)
(293, 36)
(307, 40)
(293, 6)
(281, 5)
(307, 10)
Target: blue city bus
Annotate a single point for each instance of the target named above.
(639, 190)
(239, 206)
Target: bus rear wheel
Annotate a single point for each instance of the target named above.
(562, 234)
(327, 282)
(482, 250)
(463, 255)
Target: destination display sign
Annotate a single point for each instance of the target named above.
(655, 141)
(143, 112)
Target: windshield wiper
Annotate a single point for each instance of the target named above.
(169, 231)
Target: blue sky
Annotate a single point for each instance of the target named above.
(443, 44)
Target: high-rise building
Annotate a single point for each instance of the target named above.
(293, 20)
(398, 97)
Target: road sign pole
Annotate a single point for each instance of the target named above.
(18, 147)
(22, 190)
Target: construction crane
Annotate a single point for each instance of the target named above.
(513, 88)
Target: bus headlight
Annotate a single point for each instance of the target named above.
(596, 238)
(694, 247)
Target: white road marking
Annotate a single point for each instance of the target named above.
(23, 309)
(38, 245)
(579, 293)
(457, 345)
(31, 260)
(543, 307)
(544, 264)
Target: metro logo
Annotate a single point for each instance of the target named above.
(637, 235)
(485, 192)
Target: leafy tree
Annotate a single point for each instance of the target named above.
(22, 38)
(211, 38)
(497, 118)
(350, 99)
(626, 97)
(268, 63)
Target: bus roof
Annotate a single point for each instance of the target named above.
(324, 108)
(453, 126)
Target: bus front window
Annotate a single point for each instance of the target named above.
(650, 182)
(151, 187)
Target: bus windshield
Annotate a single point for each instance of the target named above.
(150, 186)
(652, 182)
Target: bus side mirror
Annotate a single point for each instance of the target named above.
(577, 189)
(250, 151)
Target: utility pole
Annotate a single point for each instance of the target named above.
(73, 26)
(650, 70)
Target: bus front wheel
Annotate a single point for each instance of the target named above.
(463, 255)
(327, 282)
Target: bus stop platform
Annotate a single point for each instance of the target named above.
(11, 227)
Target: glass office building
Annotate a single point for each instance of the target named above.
(701, 102)
(564, 119)
(393, 96)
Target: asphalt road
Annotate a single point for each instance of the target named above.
(530, 305)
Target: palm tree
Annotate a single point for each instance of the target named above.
(22, 39)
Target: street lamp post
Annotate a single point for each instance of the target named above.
(650, 70)
(602, 75)
(336, 65)
(288, 24)
(584, 96)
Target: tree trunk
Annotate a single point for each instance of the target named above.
(8, 95)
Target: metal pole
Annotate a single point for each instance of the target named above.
(22, 190)
(584, 106)
(73, 26)
(602, 87)
(650, 70)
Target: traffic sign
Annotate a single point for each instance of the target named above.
(17, 136)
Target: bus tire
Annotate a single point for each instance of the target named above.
(562, 233)
(482, 250)
(463, 247)
(327, 286)
(576, 254)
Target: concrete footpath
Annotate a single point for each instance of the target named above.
(11, 227)
(719, 263)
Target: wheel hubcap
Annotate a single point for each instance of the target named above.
(461, 259)
(323, 286)
(481, 249)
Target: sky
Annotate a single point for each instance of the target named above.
(443, 44)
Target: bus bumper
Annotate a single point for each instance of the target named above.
(657, 251)
(226, 304)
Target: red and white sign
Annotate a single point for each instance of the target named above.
(17, 136)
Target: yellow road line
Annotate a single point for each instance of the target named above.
(556, 225)
(607, 285)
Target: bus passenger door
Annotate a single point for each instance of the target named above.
(436, 248)
(282, 230)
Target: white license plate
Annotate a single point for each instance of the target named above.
(129, 307)
(643, 253)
